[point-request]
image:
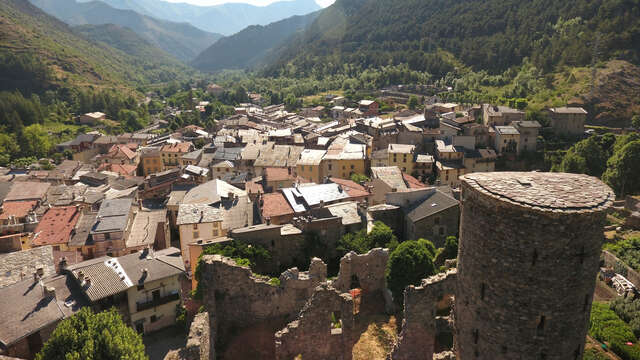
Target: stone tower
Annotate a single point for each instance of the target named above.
(530, 246)
(432, 121)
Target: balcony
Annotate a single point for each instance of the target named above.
(157, 302)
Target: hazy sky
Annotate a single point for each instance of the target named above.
(323, 3)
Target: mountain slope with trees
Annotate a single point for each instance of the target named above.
(490, 35)
(250, 46)
(225, 19)
(39, 51)
(181, 40)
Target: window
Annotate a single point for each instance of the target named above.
(476, 335)
(344, 167)
(330, 167)
(436, 220)
(140, 287)
(195, 226)
(541, 324)
(336, 323)
(353, 167)
(482, 291)
(154, 318)
(215, 232)
(441, 231)
(196, 234)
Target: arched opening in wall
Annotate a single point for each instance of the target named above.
(336, 323)
(444, 332)
(355, 282)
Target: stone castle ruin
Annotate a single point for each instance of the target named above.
(529, 250)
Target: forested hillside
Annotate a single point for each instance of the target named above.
(491, 35)
(181, 40)
(250, 46)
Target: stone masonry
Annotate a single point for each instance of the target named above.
(236, 298)
(417, 339)
(529, 250)
(198, 343)
(366, 271)
(315, 334)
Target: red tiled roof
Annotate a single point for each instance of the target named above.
(277, 174)
(354, 189)
(121, 149)
(412, 183)
(275, 204)
(125, 170)
(18, 209)
(253, 188)
(182, 147)
(56, 226)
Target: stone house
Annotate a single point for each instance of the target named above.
(197, 222)
(448, 173)
(481, 160)
(368, 107)
(424, 165)
(344, 159)
(92, 118)
(528, 134)
(275, 209)
(429, 213)
(112, 226)
(309, 165)
(568, 120)
(56, 227)
(144, 286)
(277, 178)
(402, 156)
(151, 162)
(500, 115)
(171, 153)
(507, 140)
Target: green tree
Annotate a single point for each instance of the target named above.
(623, 169)
(408, 264)
(585, 157)
(635, 121)
(8, 149)
(381, 235)
(130, 120)
(413, 102)
(450, 251)
(93, 336)
(359, 178)
(35, 141)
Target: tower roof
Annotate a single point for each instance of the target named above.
(544, 191)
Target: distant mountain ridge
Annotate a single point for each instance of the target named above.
(224, 19)
(251, 46)
(30, 34)
(181, 40)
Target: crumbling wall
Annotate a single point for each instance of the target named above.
(236, 298)
(366, 271)
(198, 343)
(314, 334)
(420, 325)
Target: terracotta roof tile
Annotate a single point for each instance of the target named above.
(119, 149)
(352, 188)
(277, 174)
(19, 209)
(412, 183)
(56, 226)
(275, 204)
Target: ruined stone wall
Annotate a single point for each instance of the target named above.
(285, 250)
(611, 260)
(313, 334)
(366, 271)
(390, 215)
(236, 298)
(328, 231)
(420, 325)
(530, 246)
(198, 345)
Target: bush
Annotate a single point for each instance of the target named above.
(606, 326)
(628, 310)
(93, 336)
(408, 264)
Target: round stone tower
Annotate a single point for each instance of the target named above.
(530, 246)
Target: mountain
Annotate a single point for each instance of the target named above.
(181, 40)
(490, 35)
(250, 46)
(225, 19)
(38, 51)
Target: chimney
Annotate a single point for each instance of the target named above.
(87, 281)
(80, 276)
(62, 265)
(40, 271)
(268, 219)
(50, 292)
(140, 204)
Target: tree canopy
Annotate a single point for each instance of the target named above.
(93, 336)
(623, 169)
(408, 264)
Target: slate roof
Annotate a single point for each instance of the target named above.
(112, 216)
(198, 214)
(228, 153)
(211, 192)
(391, 175)
(110, 276)
(27, 190)
(23, 264)
(568, 110)
(302, 197)
(30, 310)
(311, 157)
(507, 130)
(145, 226)
(347, 211)
(56, 226)
(435, 202)
(83, 228)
